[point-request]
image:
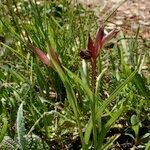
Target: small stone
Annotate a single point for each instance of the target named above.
(119, 22)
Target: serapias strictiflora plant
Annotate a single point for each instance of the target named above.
(91, 53)
(94, 47)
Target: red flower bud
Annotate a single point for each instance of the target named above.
(44, 58)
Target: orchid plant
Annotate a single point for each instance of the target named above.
(93, 49)
(91, 53)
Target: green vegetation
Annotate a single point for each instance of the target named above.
(50, 98)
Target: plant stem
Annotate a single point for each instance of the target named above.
(93, 64)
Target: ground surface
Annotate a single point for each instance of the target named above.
(129, 16)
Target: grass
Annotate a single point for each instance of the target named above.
(55, 107)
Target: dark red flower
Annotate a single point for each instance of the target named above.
(93, 48)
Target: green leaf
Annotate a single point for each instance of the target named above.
(134, 120)
(41, 80)
(105, 104)
(140, 84)
(3, 130)
(21, 127)
(147, 146)
(85, 88)
(17, 76)
(135, 125)
(98, 80)
(115, 115)
(110, 142)
(1, 107)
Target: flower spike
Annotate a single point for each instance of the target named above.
(44, 58)
(93, 50)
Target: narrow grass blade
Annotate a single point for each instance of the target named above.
(115, 93)
(114, 117)
(110, 142)
(98, 81)
(139, 82)
(115, 9)
(85, 88)
(107, 126)
(18, 76)
(147, 146)
(19, 55)
(3, 130)
(41, 80)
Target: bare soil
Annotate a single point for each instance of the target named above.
(129, 16)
